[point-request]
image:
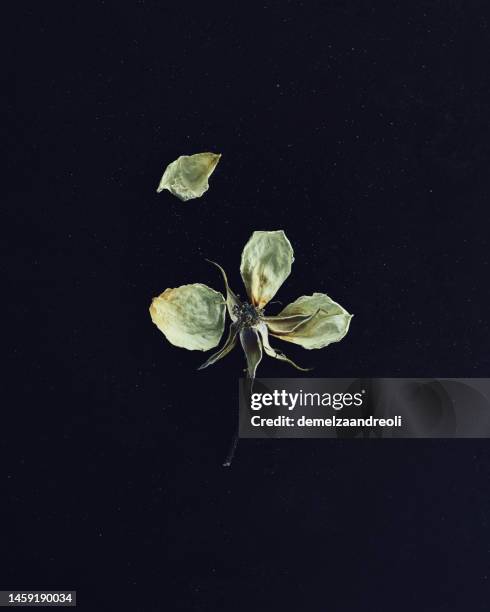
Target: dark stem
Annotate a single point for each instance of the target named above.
(231, 452)
(247, 390)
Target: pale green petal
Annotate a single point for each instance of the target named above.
(190, 316)
(266, 263)
(329, 323)
(187, 177)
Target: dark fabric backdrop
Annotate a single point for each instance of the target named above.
(361, 131)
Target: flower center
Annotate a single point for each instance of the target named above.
(247, 314)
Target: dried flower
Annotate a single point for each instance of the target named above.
(192, 316)
(187, 177)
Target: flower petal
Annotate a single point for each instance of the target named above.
(253, 349)
(329, 323)
(190, 316)
(231, 299)
(272, 352)
(266, 263)
(227, 347)
(187, 176)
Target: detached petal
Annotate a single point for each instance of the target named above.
(266, 263)
(190, 316)
(272, 352)
(253, 349)
(329, 321)
(187, 177)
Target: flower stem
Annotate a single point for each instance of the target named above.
(248, 386)
(231, 452)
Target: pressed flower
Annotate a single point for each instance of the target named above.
(187, 177)
(192, 316)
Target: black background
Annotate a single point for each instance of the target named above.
(362, 132)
